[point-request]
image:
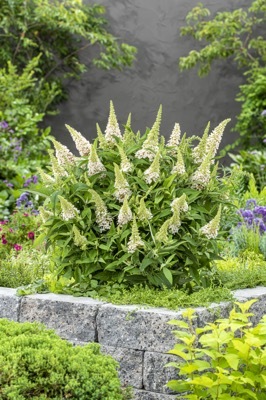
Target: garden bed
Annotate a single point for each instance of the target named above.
(137, 337)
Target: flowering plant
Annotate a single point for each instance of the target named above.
(19, 230)
(133, 209)
(17, 168)
(250, 232)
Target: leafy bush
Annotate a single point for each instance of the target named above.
(222, 360)
(57, 32)
(37, 364)
(237, 34)
(252, 162)
(132, 209)
(40, 45)
(23, 146)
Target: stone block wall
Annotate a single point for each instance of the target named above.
(138, 338)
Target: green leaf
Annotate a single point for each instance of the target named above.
(168, 274)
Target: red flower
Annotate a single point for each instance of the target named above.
(17, 247)
(31, 235)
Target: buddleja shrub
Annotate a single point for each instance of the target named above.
(133, 209)
(224, 360)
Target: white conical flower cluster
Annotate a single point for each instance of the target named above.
(215, 138)
(102, 142)
(152, 174)
(58, 170)
(135, 241)
(79, 240)
(44, 214)
(121, 185)
(68, 210)
(179, 168)
(125, 165)
(112, 129)
(129, 136)
(162, 235)
(82, 144)
(143, 213)
(180, 204)
(103, 218)
(201, 177)
(64, 156)
(95, 166)
(174, 137)
(151, 145)
(46, 179)
(125, 214)
(199, 152)
(211, 229)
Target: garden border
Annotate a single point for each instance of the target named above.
(137, 337)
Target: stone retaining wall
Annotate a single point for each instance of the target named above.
(138, 338)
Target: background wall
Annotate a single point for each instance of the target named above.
(153, 26)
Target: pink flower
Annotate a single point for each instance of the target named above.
(4, 222)
(17, 247)
(4, 241)
(31, 235)
(25, 215)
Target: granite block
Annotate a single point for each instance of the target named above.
(135, 328)
(9, 304)
(155, 375)
(144, 395)
(73, 318)
(130, 364)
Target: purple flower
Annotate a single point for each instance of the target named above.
(34, 179)
(31, 235)
(17, 247)
(251, 202)
(3, 125)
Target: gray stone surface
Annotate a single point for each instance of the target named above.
(153, 26)
(9, 304)
(72, 317)
(155, 375)
(144, 395)
(130, 361)
(141, 329)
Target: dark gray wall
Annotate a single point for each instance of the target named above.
(153, 26)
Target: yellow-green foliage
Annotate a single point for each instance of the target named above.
(36, 364)
(248, 270)
(223, 360)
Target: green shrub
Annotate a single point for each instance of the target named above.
(223, 360)
(252, 162)
(36, 364)
(132, 209)
(238, 35)
(57, 32)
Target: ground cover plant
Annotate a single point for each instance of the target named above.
(37, 364)
(236, 35)
(132, 209)
(225, 359)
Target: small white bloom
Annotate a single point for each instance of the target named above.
(125, 214)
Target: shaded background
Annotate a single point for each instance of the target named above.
(153, 26)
